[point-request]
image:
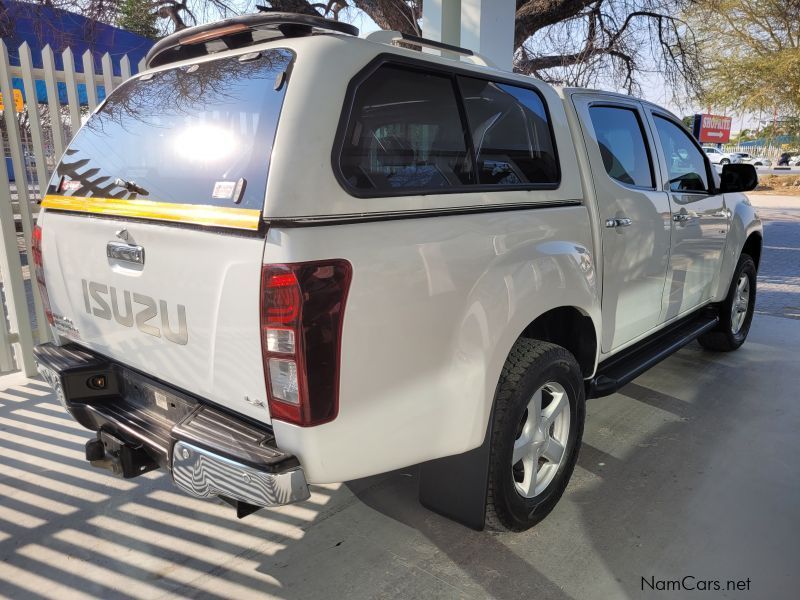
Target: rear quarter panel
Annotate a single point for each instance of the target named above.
(434, 307)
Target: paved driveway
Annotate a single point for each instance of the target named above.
(779, 272)
(691, 470)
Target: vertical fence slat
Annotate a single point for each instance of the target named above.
(21, 175)
(88, 77)
(26, 63)
(72, 91)
(108, 73)
(13, 283)
(6, 354)
(125, 67)
(141, 66)
(53, 103)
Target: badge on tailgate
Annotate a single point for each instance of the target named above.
(129, 308)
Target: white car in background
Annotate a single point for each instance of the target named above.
(758, 161)
(718, 157)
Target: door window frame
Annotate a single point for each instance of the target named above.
(452, 73)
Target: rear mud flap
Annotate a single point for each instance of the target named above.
(455, 486)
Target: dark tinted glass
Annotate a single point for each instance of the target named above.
(510, 131)
(185, 135)
(405, 134)
(622, 145)
(685, 163)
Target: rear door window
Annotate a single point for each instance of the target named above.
(198, 134)
(623, 147)
(405, 135)
(510, 132)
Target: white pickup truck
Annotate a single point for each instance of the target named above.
(285, 255)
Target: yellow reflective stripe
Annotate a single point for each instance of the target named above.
(196, 214)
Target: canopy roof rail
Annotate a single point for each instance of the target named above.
(239, 32)
(398, 38)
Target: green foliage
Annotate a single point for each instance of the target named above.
(138, 16)
(752, 53)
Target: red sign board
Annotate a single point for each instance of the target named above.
(715, 128)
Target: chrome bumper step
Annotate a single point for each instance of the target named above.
(143, 424)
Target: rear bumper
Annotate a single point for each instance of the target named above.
(143, 424)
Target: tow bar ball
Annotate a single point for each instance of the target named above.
(126, 460)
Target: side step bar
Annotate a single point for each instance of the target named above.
(626, 366)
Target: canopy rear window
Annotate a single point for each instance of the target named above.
(199, 134)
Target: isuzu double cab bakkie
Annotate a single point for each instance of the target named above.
(285, 255)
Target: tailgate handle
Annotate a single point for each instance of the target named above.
(125, 252)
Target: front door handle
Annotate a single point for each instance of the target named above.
(623, 222)
(681, 217)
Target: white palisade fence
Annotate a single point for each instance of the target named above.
(34, 136)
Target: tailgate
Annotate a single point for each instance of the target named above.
(188, 316)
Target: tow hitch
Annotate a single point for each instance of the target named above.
(126, 460)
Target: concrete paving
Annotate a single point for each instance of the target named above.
(779, 272)
(691, 470)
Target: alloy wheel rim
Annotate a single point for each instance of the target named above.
(741, 302)
(541, 440)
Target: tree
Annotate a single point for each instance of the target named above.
(752, 50)
(569, 42)
(139, 17)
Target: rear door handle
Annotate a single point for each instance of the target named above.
(681, 217)
(623, 222)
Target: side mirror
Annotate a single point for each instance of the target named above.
(738, 178)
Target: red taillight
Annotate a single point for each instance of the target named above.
(302, 310)
(282, 302)
(38, 268)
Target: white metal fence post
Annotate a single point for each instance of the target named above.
(6, 355)
(125, 67)
(88, 77)
(32, 102)
(108, 73)
(53, 104)
(72, 91)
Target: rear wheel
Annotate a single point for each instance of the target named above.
(538, 424)
(736, 311)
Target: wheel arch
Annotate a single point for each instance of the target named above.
(571, 328)
(745, 234)
(752, 246)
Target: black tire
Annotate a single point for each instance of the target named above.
(725, 337)
(530, 365)
(725, 161)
